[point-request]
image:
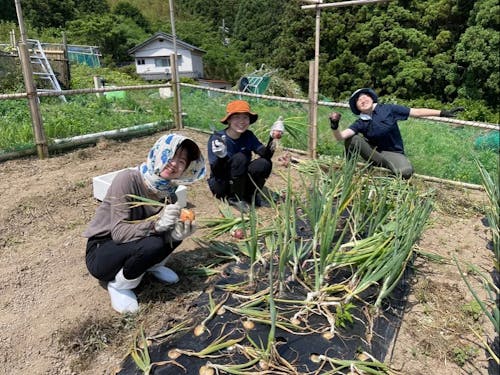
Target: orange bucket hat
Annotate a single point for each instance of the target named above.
(239, 106)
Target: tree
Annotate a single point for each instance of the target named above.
(49, 13)
(92, 6)
(220, 61)
(130, 11)
(8, 11)
(477, 54)
(114, 34)
(256, 25)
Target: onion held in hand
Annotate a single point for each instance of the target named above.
(277, 134)
(186, 215)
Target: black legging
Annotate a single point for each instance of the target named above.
(258, 170)
(105, 258)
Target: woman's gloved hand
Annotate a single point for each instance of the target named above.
(168, 218)
(182, 230)
(451, 112)
(334, 120)
(219, 147)
(277, 129)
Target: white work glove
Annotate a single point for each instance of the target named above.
(168, 218)
(277, 129)
(219, 147)
(182, 230)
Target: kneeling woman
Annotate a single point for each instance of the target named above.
(122, 245)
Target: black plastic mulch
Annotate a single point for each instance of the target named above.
(374, 335)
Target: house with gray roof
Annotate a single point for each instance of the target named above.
(152, 58)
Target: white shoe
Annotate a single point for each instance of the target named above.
(164, 274)
(123, 299)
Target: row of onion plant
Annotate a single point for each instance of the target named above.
(358, 222)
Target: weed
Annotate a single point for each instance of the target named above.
(89, 337)
(463, 355)
(343, 315)
(472, 309)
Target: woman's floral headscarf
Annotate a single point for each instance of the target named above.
(161, 153)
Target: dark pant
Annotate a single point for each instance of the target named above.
(396, 162)
(104, 257)
(239, 172)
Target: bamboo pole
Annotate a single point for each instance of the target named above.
(313, 124)
(340, 4)
(175, 72)
(313, 110)
(176, 92)
(33, 100)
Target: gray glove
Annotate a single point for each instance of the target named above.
(219, 147)
(277, 129)
(182, 230)
(168, 218)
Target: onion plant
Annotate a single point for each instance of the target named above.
(382, 258)
(326, 199)
(360, 224)
(140, 354)
(339, 366)
(251, 241)
(489, 307)
(222, 224)
(492, 188)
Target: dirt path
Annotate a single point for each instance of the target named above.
(56, 319)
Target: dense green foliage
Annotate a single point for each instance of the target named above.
(444, 51)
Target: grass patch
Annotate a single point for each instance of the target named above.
(435, 149)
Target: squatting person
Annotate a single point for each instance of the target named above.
(122, 245)
(375, 134)
(235, 176)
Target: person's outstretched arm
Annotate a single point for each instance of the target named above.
(424, 112)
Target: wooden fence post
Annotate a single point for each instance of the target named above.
(176, 91)
(33, 100)
(313, 108)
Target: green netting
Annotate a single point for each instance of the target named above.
(490, 140)
(81, 58)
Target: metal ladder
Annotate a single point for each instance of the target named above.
(42, 68)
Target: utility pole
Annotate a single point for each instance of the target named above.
(314, 86)
(33, 100)
(175, 73)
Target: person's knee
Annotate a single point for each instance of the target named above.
(356, 146)
(260, 167)
(406, 172)
(238, 165)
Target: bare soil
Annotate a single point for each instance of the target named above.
(57, 319)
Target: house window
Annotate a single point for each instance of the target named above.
(162, 62)
(140, 62)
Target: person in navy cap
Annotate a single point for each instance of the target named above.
(375, 134)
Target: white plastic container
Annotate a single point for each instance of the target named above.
(100, 184)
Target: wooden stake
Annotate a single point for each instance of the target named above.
(176, 92)
(33, 100)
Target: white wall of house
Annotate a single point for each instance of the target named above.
(153, 61)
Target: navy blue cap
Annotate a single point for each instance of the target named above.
(355, 95)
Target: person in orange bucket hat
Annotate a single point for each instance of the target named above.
(235, 175)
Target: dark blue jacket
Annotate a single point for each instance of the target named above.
(382, 130)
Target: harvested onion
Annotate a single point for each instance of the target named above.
(186, 215)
